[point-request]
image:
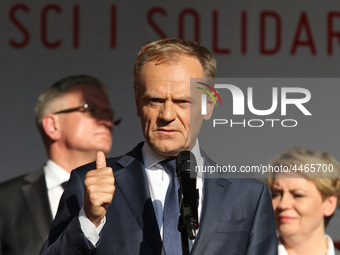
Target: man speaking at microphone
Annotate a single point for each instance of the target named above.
(124, 205)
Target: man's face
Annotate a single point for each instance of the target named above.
(81, 132)
(164, 105)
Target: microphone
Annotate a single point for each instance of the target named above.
(187, 193)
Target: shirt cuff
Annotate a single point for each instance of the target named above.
(89, 229)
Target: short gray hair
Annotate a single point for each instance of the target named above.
(169, 50)
(58, 89)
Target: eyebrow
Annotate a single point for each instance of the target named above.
(150, 95)
(179, 97)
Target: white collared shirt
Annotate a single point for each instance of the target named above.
(55, 176)
(282, 250)
(159, 180)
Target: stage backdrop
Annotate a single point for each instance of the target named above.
(42, 41)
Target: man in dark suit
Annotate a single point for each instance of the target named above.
(75, 121)
(121, 207)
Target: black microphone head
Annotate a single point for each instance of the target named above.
(184, 161)
(186, 156)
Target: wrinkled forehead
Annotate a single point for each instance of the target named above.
(168, 58)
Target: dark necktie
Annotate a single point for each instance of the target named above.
(171, 235)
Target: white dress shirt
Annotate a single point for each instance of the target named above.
(158, 180)
(282, 250)
(55, 176)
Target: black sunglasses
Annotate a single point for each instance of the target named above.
(92, 112)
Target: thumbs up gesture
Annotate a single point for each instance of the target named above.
(99, 190)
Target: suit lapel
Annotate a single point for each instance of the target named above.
(36, 198)
(215, 195)
(133, 183)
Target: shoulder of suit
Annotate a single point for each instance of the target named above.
(22, 179)
(248, 183)
(11, 190)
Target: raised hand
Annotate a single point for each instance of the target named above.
(99, 190)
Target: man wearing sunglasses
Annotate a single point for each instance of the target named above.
(75, 121)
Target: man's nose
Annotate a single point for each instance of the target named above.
(105, 116)
(168, 111)
(107, 122)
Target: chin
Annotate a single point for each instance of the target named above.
(106, 149)
(167, 151)
(174, 152)
(167, 147)
(287, 232)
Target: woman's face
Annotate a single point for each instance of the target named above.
(298, 206)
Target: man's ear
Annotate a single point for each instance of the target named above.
(330, 205)
(50, 124)
(210, 106)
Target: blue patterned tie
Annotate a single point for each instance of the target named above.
(171, 235)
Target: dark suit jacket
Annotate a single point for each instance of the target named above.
(237, 216)
(25, 214)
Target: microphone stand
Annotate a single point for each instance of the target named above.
(188, 198)
(184, 236)
(187, 224)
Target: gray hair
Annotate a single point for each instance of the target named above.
(60, 88)
(169, 50)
